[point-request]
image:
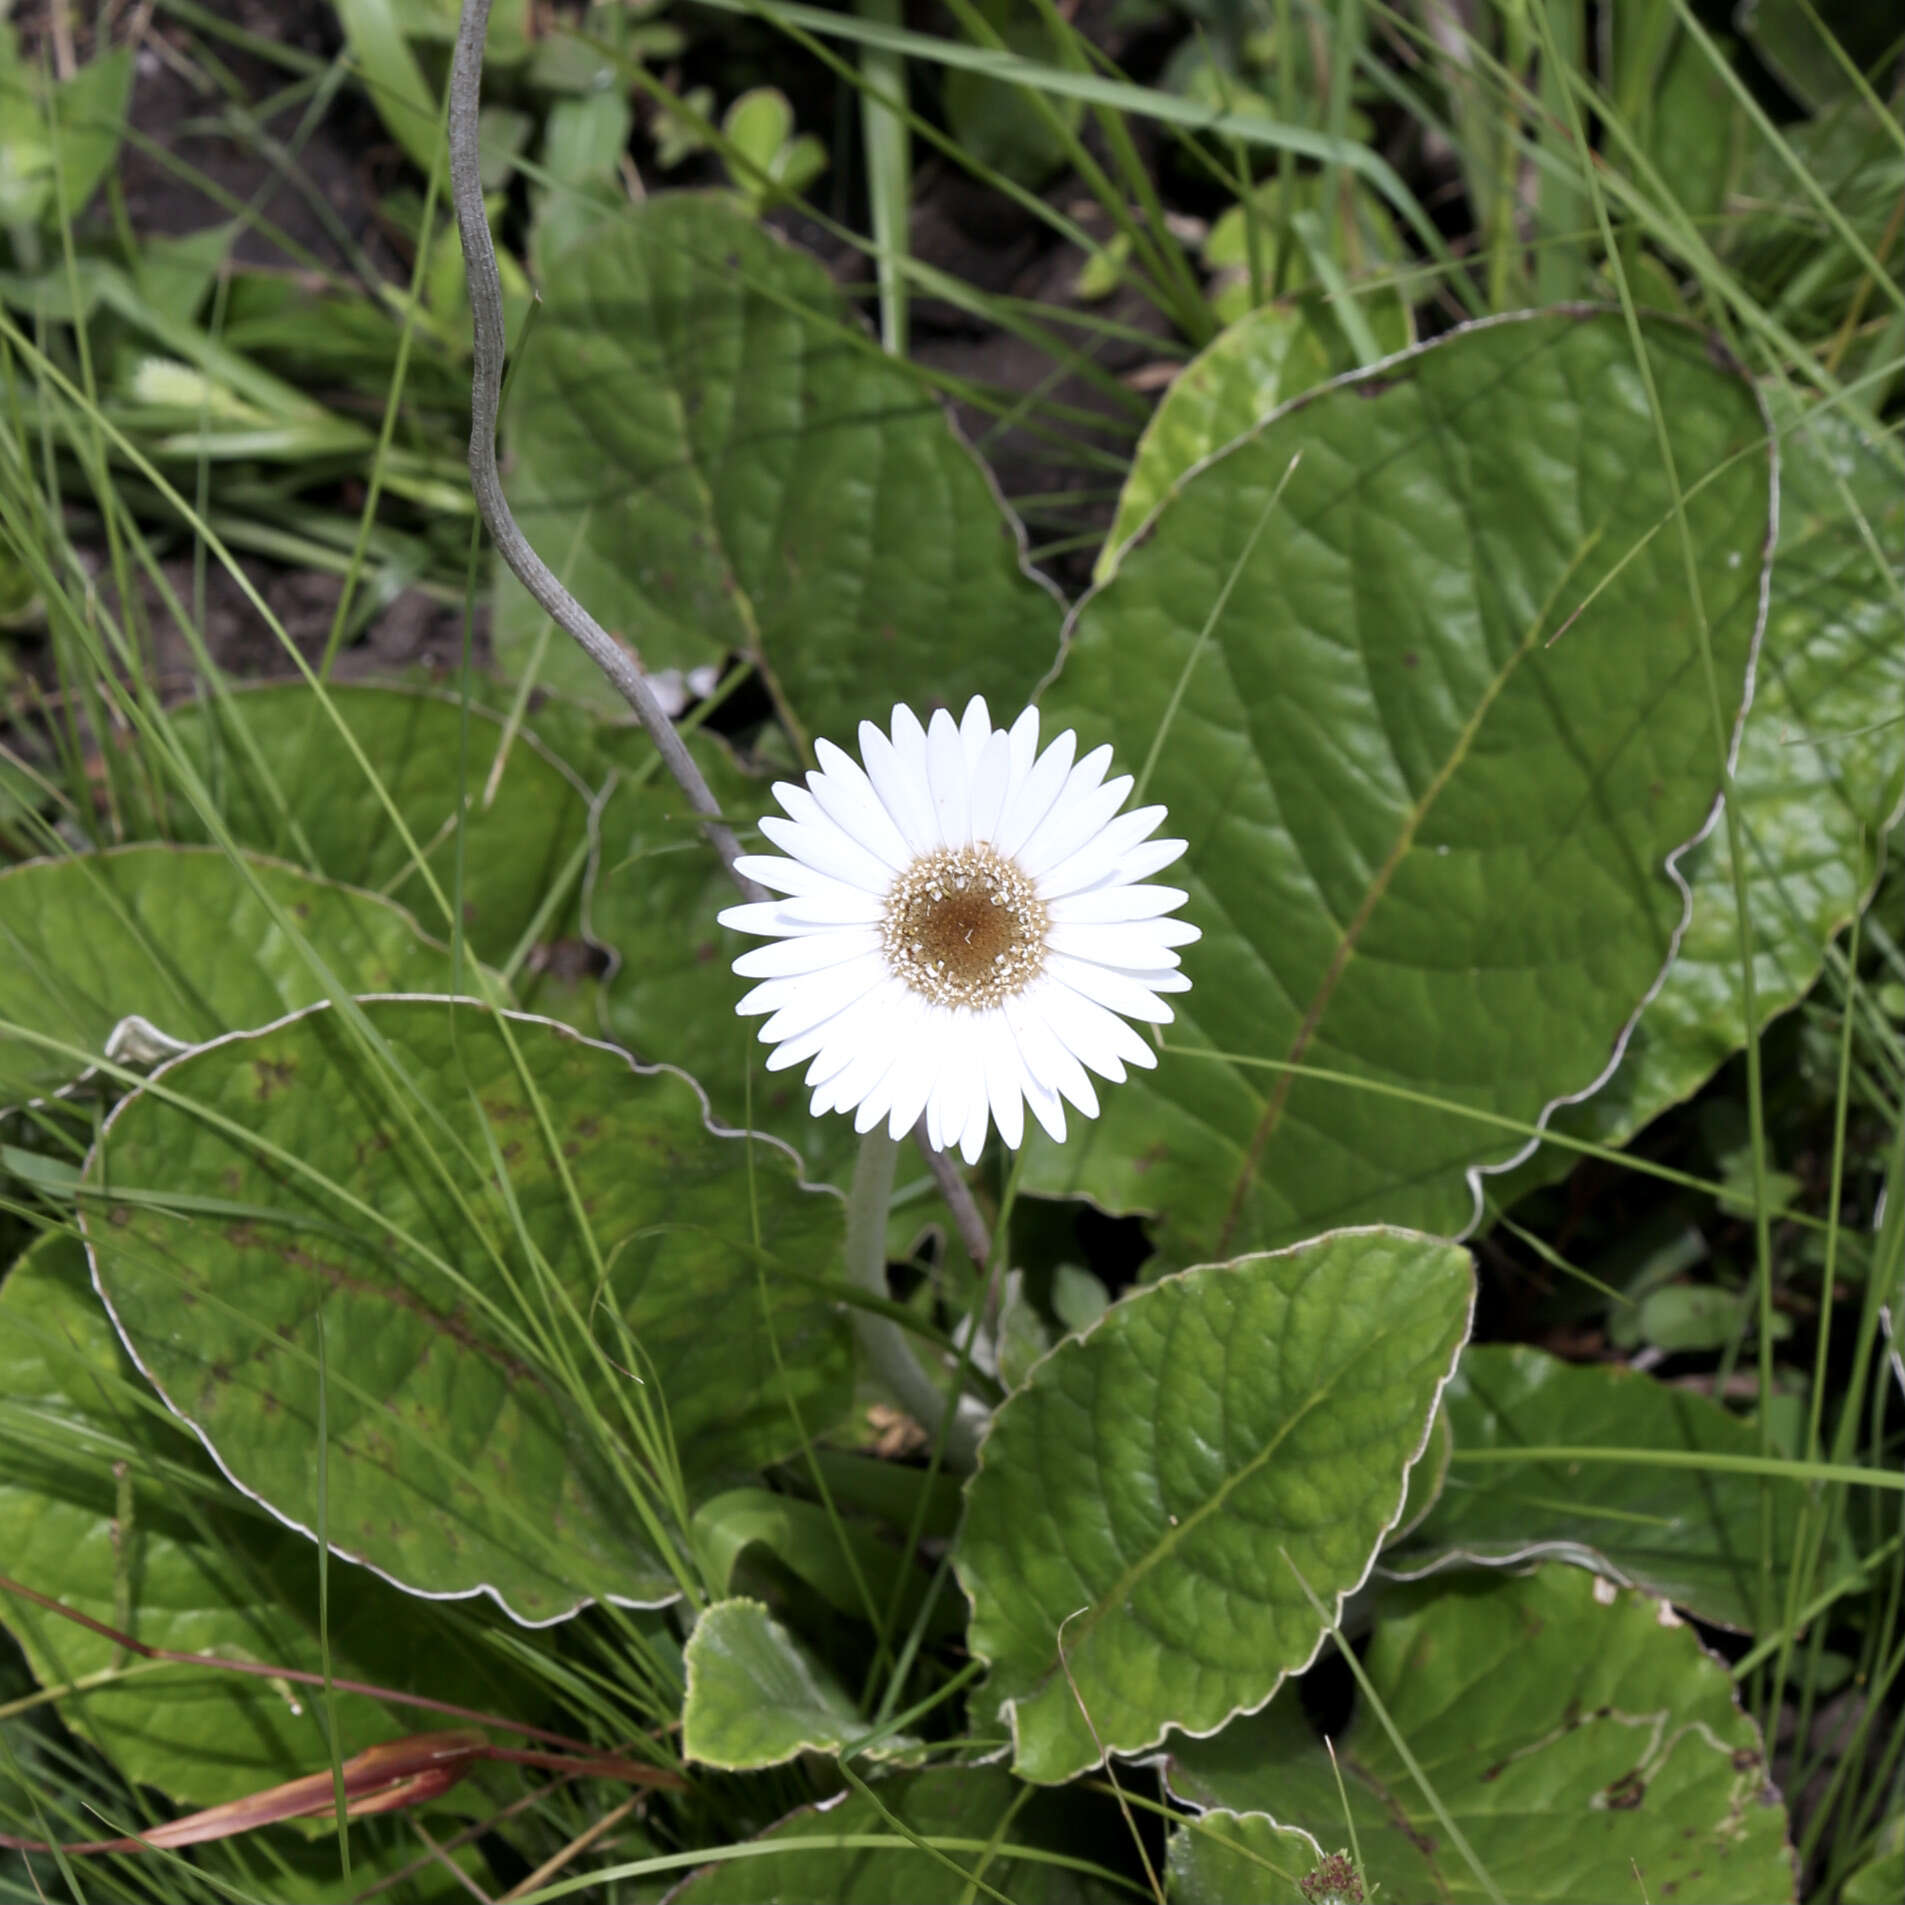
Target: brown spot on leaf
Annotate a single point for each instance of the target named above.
(1626, 1793)
(273, 1075)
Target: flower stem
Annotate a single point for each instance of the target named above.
(884, 1342)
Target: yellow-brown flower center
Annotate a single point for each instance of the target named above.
(964, 926)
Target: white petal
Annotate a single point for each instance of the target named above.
(1047, 1108)
(1098, 1038)
(1050, 1061)
(1072, 821)
(757, 916)
(946, 1102)
(946, 775)
(901, 789)
(842, 907)
(1127, 948)
(770, 995)
(1115, 991)
(1103, 855)
(975, 730)
(1005, 1078)
(811, 952)
(990, 775)
(820, 995)
(902, 1044)
(797, 1051)
(913, 1081)
(862, 1074)
(1112, 905)
(848, 797)
(1159, 978)
(790, 876)
(1024, 739)
(1032, 800)
(974, 1140)
(1152, 857)
(818, 843)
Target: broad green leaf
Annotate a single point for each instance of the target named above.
(1050, 1849)
(194, 1568)
(1428, 839)
(1576, 1734)
(186, 940)
(1150, 1508)
(1690, 1535)
(1820, 777)
(524, 823)
(757, 1697)
(1251, 367)
(715, 457)
(517, 1245)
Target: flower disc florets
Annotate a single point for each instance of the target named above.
(965, 929)
(964, 926)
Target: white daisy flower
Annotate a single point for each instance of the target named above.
(965, 931)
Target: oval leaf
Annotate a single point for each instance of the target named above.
(192, 942)
(513, 1239)
(715, 457)
(1149, 1508)
(1380, 730)
(1688, 1534)
(191, 1568)
(1576, 1735)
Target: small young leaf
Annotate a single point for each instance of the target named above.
(757, 1697)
